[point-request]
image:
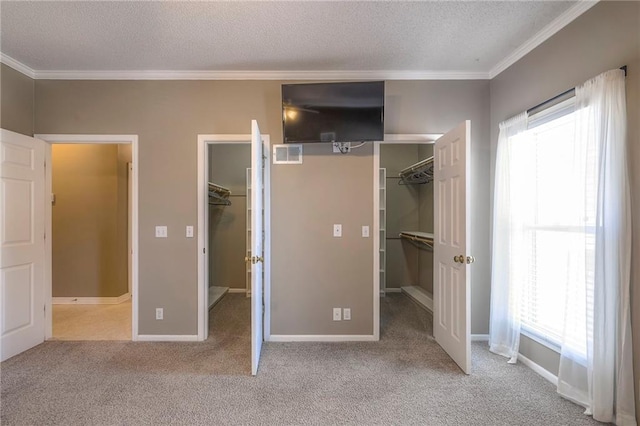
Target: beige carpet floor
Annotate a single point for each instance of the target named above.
(404, 379)
(92, 322)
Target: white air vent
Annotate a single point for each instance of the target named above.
(287, 154)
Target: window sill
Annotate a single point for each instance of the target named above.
(538, 338)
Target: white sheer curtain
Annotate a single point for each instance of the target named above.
(504, 326)
(603, 380)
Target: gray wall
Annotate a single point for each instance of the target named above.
(89, 221)
(312, 272)
(228, 224)
(16, 101)
(605, 37)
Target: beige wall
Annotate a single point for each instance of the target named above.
(311, 271)
(605, 37)
(16, 101)
(89, 221)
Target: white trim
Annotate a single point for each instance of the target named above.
(377, 290)
(411, 137)
(167, 338)
(323, 338)
(420, 296)
(48, 247)
(94, 139)
(91, 300)
(237, 290)
(538, 369)
(479, 337)
(543, 35)
(17, 65)
(266, 248)
(87, 139)
(259, 75)
(203, 243)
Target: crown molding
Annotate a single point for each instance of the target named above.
(260, 75)
(16, 65)
(543, 35)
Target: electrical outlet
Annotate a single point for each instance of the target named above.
(161, 232)
(365, 232)
(346, 314)
(159, 313)
(341, 147)
(189, 231)
(337, 230)
(337, 314)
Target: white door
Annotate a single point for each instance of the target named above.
(257, 244)
(451, 290)
(21, 243)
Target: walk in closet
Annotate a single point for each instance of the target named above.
(228, 207)
(406, 220)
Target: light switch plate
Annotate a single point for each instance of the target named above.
(189, 231)
(365, 232)
(346, 314)
(337, 230)
(161, 232)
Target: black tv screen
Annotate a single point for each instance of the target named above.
(333, 112)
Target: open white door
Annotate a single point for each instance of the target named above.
(22, 249)
(451, 290)
(257, 244)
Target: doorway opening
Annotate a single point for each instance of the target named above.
(254, 182)
(406, 207)
(91, 278)
(444, 211)
(228, 183)
(90, 241)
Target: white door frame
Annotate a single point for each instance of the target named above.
(51, 139)
(422, 138)
(203, 241)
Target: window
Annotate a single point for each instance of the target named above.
(555, 254)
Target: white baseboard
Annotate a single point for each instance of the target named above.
(420, 296)
(237, 290)
(167, 338)
(479, 337)
(90, 300)
(538, 369)
(322, 338)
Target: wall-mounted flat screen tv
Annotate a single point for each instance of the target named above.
(333, 112)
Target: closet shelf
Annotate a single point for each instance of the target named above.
(421, 172)
(419, 239)
(218, 195)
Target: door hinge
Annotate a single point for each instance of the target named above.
(45, 236)
(204, 251)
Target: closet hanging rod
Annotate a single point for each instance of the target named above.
(420, 172)
(423, 238)
(219, 194)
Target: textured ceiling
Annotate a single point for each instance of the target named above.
(276, 36)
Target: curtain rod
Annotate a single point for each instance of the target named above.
(563, 94)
